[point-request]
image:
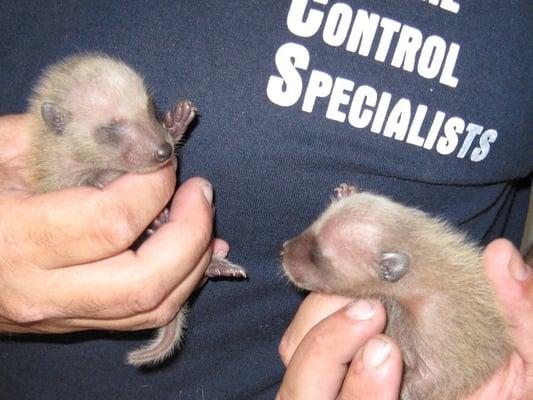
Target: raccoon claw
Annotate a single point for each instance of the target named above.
(102, 179)
(393, 266)
(161, 219)
(220, 267)
(178, 119)
(344, 190)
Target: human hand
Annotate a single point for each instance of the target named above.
(512, 280)
(333, 349)
(65, 257)
(326, 350)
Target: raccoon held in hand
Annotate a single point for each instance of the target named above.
(92, 120)
(441, 309)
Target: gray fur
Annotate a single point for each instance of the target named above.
(440, 306)
(92, 120)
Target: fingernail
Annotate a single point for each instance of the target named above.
(375, 353)
(519, 270)
(207, 189)
(361, 310)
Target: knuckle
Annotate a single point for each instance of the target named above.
(17, 305)
(117, 228)
(144, 301)
(202, 234)
(22, 313)
(284, 351)
(286, 392)
(319, 340)
(146, 296)
(162, 316)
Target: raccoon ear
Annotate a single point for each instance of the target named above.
(393, 266)
(54, 116)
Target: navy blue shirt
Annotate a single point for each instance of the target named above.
(428, 102)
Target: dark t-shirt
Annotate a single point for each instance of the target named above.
(428, 102)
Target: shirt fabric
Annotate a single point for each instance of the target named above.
(428, 102)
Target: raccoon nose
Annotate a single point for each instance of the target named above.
(164, 152)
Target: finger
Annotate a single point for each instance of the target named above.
(375, 372)
(157, 317)
(512, 280)
(131, 283)
(319, 365)
(192, 195)
(82, 225)
(313, 309)
(220, 247)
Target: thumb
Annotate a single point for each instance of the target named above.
(512, 280)
(188, 232)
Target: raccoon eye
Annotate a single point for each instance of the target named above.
(317, 258)
(108, 134)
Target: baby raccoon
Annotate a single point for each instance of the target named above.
(441, 309)
(92, 120)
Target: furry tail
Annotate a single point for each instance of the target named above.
(162, 346)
